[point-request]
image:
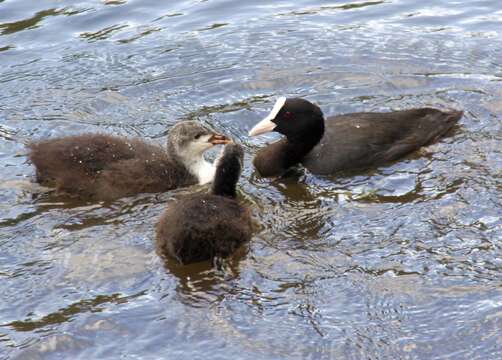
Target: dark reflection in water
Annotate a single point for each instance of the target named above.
(202, 282)
(398, 262)
(64, 315)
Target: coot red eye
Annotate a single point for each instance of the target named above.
(287, 115)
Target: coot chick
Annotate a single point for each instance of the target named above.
(344, 142)
(104, 167)
(206, 226)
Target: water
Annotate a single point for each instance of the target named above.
(398, 262)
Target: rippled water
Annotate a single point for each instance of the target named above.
(400, 262)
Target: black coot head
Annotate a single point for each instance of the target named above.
(294, 117)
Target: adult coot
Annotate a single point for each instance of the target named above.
(343, 142)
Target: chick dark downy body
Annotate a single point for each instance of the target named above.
(105, 167)
(204, 226)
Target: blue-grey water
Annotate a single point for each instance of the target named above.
(399, 262)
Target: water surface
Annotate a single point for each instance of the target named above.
(398, 262)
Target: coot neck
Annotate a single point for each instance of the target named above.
(223, 188)
(297, 146)
(226, 178)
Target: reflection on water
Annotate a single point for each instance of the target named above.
(398, 262)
